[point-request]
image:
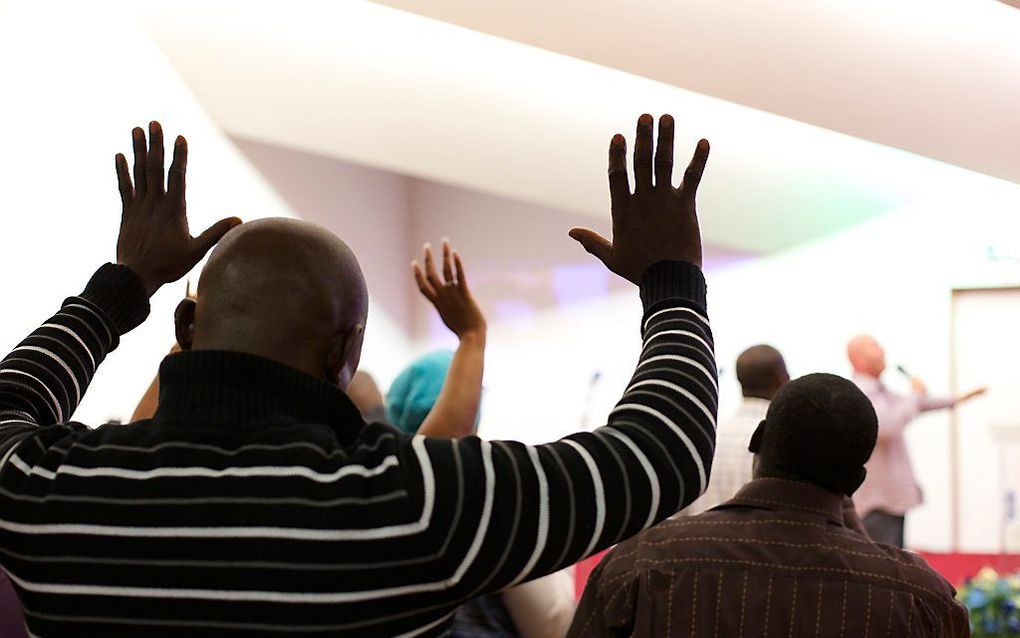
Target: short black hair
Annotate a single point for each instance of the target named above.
(819, 429)
(761, 371)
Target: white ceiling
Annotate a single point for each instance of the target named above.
(370, 84)
(939, 78)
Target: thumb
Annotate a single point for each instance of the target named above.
(204, 242)
(594, 243)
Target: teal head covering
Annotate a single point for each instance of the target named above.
(416, 390)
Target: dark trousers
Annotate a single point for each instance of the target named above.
(885, 528)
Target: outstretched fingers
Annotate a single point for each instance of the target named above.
(431, 275)
(664, 154)
(127, 191)
(212, 235)
(619, 184)
(423, 284)
(178, 171)
(461, 277)
(692, 176)
(447, 262)
(154, 160)
(140, 153)
(643, 155)
(594, 243)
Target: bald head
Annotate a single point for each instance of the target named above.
(866, 355)
(761, 371)
(283, 289)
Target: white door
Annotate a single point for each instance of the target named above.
(986, 351)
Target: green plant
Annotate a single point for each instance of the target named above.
(993, 602)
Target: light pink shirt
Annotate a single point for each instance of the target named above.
(890, 485)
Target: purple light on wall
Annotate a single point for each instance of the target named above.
(439, 336)
(579, 282)
(717, 258)
(514, 310)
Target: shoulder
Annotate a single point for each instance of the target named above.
(647, 548)
(922, 571)
(911, 573)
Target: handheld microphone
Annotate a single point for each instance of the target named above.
(902, 370)
(589, 398)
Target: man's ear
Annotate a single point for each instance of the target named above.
(344, 356)
(860, 481)
(184, 323)
(782, 378)
(755, 445)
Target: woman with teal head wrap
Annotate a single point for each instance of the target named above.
(439, 393)
(416, 391)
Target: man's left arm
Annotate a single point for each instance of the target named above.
(927, 403)
(44, 378)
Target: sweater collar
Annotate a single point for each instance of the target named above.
(216, 387)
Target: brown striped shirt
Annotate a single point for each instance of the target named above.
(777, 560)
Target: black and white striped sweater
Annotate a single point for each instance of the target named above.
(257, 502)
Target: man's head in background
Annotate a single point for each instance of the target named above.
(761, 371)
(283, 289)
(820, 429)
(866, 356)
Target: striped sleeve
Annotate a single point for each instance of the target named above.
(44, 378)
(536, 509)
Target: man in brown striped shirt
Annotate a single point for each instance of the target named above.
(779, 558)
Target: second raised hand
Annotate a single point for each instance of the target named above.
(154, 239)
(656, 222)
(450, 293)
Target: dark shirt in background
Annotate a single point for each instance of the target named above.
(12, 623)
(776, 560)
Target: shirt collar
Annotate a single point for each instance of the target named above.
(213, 387)
(781, 494)
(868, 382)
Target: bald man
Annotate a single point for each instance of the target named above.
(761, 371)
(890, 489)
(256, 501)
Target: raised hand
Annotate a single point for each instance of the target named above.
(449, 294)
(967, 396)
(154, 239)
(918, 386)
(656, 222)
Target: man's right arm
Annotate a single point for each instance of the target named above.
(532, 510)
(520, 512)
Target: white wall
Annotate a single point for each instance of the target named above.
(891, 277)
(73, 87)
(386, 88)
(556, 315)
